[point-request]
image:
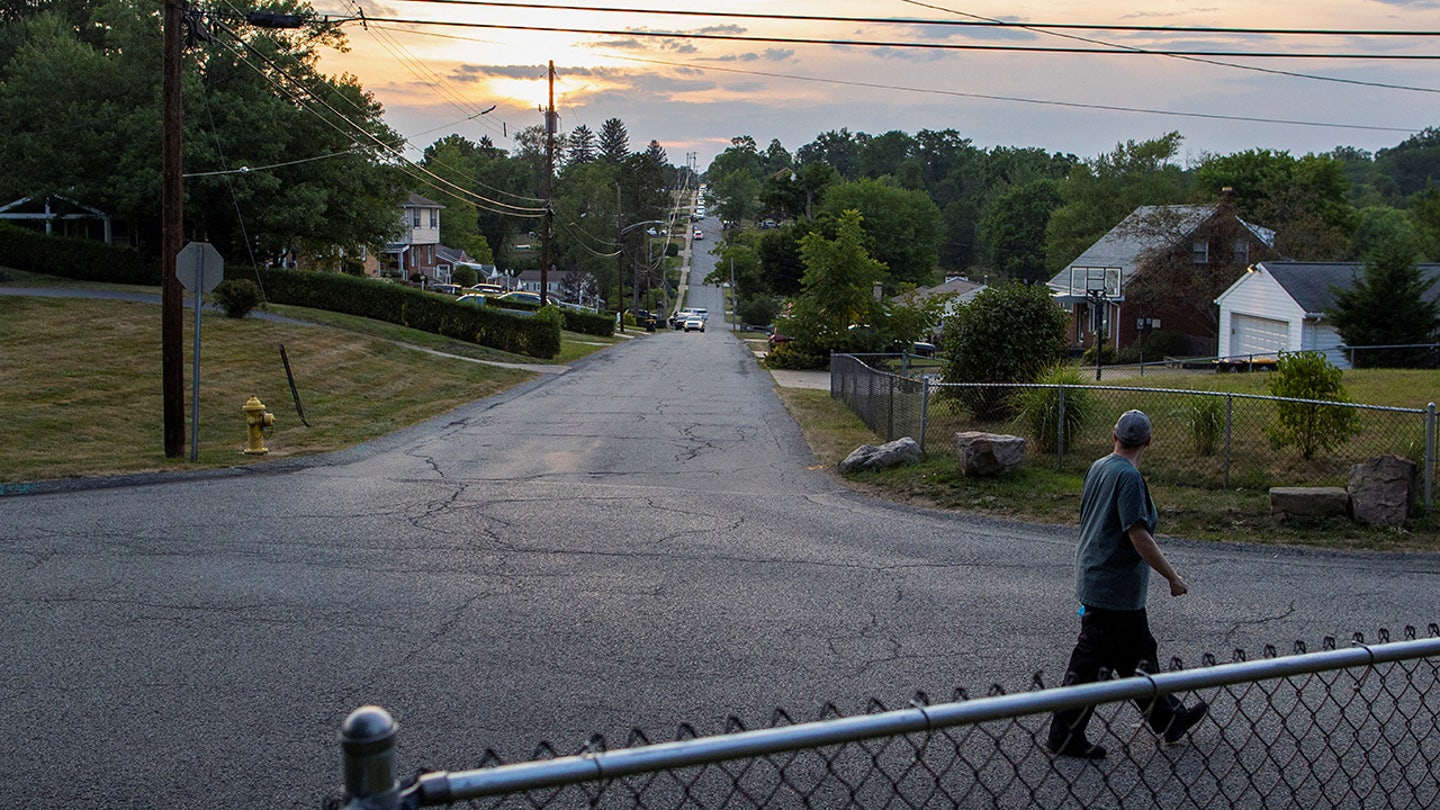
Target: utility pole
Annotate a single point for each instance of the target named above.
(549, 183)
(619, 259)
(172, 211)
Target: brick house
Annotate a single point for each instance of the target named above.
(1192, 253)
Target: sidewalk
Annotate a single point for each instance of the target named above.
(787, 378)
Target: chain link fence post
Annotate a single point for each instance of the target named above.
(925, 408)
(1229, 420)
(1430, 458)
(367, 740)
(1060, 433)
(890, 411)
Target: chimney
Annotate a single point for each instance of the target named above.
(1227, 197)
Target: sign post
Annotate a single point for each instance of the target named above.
(199, 268)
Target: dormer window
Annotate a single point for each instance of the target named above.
(1242, 251)
(1200, 252)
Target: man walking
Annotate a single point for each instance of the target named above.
(1113, 562)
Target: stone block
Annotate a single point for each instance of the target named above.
(1309, 502)
(891, 454)
(1382, 490)
(988, 454)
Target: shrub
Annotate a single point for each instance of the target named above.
(237, 296)
(758, 309)
(1204, 420)
(84, 259)
(1039, 411)
(1310, 427)
(1007, 334)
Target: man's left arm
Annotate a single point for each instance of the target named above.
(1150, 552)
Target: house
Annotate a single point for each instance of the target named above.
(1200, 246)
(418, 249)
(1280, 306)
(958, 292)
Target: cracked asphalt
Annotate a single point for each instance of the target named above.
(642, 542)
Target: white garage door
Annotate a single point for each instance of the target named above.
(1254, 335)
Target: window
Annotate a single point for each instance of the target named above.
(1200, 252)
(434, 218)
(415, 217)
(1242, 251)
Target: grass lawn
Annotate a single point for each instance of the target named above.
(1039, 493)
(81, 381)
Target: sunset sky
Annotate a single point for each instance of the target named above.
(694, 94)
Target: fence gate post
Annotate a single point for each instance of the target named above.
(367, 740)
(1430, 458)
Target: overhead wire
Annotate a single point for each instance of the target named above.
(1046, 30)
(407, 165)
(978, 21)
(900, 45)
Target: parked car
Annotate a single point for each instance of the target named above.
(776, 339)
(521, 296)
(487, 289)
(678, 319)
(446, 289)
(471, 300)
(694, 323)
(699, 235)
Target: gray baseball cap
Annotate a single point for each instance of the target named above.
(1133, 428)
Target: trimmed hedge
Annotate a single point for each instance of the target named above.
(88, 260)
(84, 259)
(393, 303)
(589, 323)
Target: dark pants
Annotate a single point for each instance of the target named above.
(1118, 640)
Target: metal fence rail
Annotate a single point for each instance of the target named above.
(1354, 727)
(1204, 438)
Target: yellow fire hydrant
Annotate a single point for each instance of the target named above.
(257, 419)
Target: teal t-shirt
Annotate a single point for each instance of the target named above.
(1110, 573)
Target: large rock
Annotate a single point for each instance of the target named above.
(1309, 502)
(1382, 490)
(891, 454)
(988, 454)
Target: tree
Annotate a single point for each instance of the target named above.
(902, 227)
(92, 69)
(1013, 230)
(1389, 304)
(738, 194)
(836, 310)
(1008, 333)
(454, 161)
(614, 140)
(838, 149)
(582, 148)
(1311, 428)
(1303, 200)
(1103, 191)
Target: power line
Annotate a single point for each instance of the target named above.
(939, 46)
(978, 22)
(406, 165)
(1044, 30)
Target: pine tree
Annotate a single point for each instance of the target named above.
(614, 140)
(1389, 304)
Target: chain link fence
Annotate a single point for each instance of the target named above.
(1203, 438)
(1354, 727)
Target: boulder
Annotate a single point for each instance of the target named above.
(989, 454)
(1309, 502)
(891, 454)
(1382, 490)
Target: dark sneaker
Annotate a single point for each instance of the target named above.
(1081, 748)
(1184, 720)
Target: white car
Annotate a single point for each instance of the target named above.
(694, 322)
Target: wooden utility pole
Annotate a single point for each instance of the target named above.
(172, 208)
(549, 183)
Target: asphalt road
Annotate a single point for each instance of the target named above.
(643, 541)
